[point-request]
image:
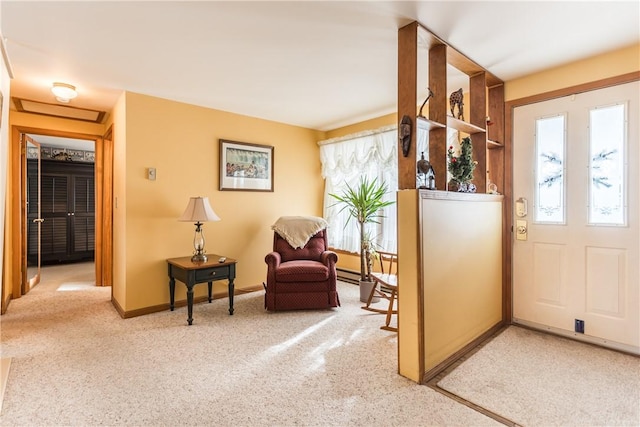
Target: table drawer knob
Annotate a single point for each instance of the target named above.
(213, 273)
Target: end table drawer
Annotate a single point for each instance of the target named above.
(213, 273)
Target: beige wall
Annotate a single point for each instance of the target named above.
(462, 270)
(4, 166)
(410, 311)
(610, 64)
(119, 123)
(181, 142)
(372, 124)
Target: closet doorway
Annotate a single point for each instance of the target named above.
(59, 202)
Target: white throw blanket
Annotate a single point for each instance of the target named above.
(297, 230)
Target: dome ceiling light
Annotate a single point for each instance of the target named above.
(64, 92)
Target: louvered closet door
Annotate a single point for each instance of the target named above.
(32, 211)
(54, 209)
(83, 217)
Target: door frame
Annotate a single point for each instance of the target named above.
(104, 207)
(508, 169)
(28, 282)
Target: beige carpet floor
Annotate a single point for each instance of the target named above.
(76, 362)
(536, 379)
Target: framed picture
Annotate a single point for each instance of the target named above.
(32, 152)
(45, 152)
(245, 167)
(76, 155)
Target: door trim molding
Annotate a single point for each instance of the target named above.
(18, 224)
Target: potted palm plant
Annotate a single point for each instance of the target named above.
(364, 203)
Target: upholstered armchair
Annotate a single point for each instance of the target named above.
(301, 272)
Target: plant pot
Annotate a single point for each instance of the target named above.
(365, 291)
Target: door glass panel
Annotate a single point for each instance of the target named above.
(607, 132)
(549, 170)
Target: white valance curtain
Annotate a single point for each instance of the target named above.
(371, 154)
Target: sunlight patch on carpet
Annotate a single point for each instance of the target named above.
(273, 350)
(76, 286)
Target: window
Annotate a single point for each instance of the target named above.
(607, 136)
(550, 169)
(373, 154)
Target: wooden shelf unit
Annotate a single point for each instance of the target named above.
(463, 126)
(485, 99)
(431, 220)
(426, 124)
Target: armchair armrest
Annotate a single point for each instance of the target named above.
(273, 260)
(329, 258)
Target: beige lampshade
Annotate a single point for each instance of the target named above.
(199, 210)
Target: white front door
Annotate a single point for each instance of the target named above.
(576, 248)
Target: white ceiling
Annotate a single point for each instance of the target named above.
(319, 65)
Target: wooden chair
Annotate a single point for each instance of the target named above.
(386, 287)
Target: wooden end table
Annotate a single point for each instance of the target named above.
(191, 273)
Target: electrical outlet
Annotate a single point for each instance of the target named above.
(579, 326)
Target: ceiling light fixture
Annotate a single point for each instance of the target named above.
(64, 92)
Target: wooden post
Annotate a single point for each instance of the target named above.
(495, 131)
(438, 113)
(478, 101)
(407, 101)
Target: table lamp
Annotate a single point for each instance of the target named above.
(199, 210)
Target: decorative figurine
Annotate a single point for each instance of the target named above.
(431, 179)
(456, 100)
(404, 134)
(425, 102)
(426, 175)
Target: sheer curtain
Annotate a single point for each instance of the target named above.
(372, 154)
